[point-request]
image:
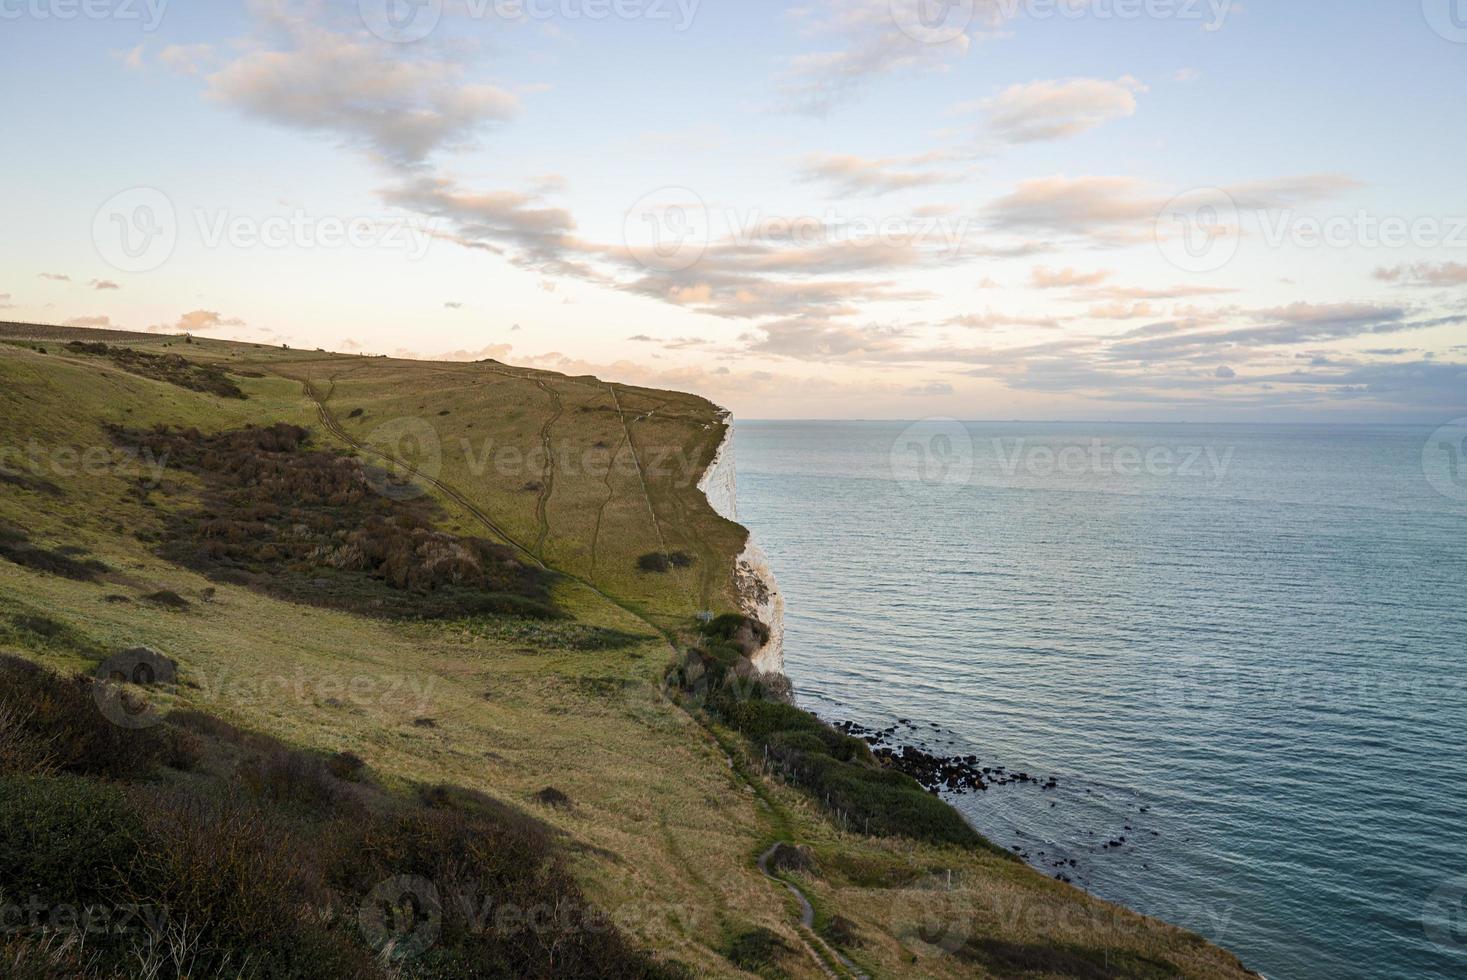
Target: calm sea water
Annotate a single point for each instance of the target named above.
(1243, 648)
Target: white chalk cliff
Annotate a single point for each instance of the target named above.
(758, 591)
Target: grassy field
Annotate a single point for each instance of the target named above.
(658, 811)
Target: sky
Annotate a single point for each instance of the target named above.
(1042, 209)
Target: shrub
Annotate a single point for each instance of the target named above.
(836, 769)
(248, 882)
(61, 715)
(66, 839)
(347, 766)
(493, 880)
(654, 561)
(756, 950)
(171, 369)
(309, 526)
(552, 797)
(744, 633)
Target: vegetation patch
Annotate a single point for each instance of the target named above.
(168, 599)
(311, 527)
(552, 797)
(265, 863)
(1015, 959)
(30, 482)
(758, 951)
(549, 634)
(173, 369)
(656, 561)
(838, 770)
(16, 546)
(52, 724)
(23, 627)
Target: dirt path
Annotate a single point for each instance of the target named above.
(547, 478)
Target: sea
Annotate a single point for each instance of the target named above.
(1241, 649)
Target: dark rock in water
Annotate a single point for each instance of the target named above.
(933, 772)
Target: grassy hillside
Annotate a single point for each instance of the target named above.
(369, 746)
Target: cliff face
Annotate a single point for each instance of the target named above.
(758, 590)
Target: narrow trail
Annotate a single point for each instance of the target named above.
(809, 939)
(610, 495)
(328, 419)
(547, 479)
(642, 481)
(807, 916)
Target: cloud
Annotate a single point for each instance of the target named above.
(1112, 206)
(89, 321)
(373, 96)
(490, 352)
(1185, 75)
(1059, 109)
(929, 390)
(453, 306)
(817, 339)
(1121, 210)
(1158, 292)
(1223, 371)
(186, 59)
(1297, 323)
(104, 284)
(991, 320)
(1425, 274)
(542, 236)
(196, 321)
(1121, 311)
(854, 175)
(54, 277)
(1042, 278)
(863, 41)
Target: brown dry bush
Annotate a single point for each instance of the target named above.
(309, 526)
(59, 717)
(172, 369)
